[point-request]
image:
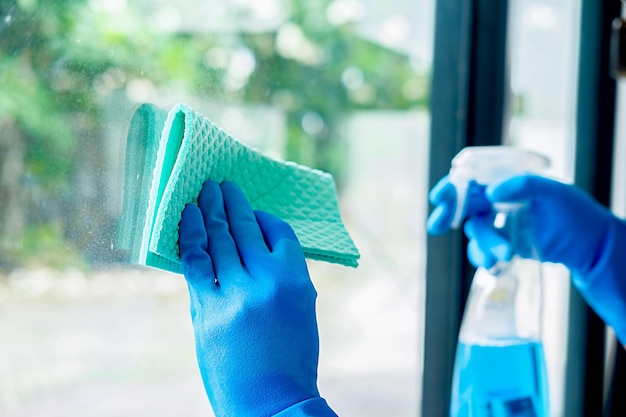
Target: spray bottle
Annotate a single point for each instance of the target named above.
(500, 369)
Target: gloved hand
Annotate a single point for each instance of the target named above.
(443, 197)
(569, 227)
(252, 307)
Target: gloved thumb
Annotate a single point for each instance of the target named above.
(517, 188)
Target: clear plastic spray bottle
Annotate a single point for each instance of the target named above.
(500, 369)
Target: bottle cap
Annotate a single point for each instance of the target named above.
(489, 164)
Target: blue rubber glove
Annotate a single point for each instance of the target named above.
(569, 227)
(443, 197)
(252, 307)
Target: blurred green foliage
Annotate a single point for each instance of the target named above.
(46, 245)
(58, 59)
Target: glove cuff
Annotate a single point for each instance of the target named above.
(604, 286)
(313, 407)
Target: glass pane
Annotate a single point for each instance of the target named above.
(544, 63)
(618, 191)
(337, 85)
(618, 204)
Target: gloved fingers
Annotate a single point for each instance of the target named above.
(244, 227)
(221, 245)
(199, 272)
(478, 257)
(443, 192)
(444, 197)
(197, 264)
(563, 198)
(479, 229)
(276, 231)
(440, 219)
(521, 187)
(289, 264)
(191, 231)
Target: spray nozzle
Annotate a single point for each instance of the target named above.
(485, 165)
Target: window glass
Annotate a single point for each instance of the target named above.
(619, 170)
(544, 62)
(618, 191)
(338, 85)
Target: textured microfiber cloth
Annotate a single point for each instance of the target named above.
(192, 150)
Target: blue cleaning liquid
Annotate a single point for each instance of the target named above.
(507, 380)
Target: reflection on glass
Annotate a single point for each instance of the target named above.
(339, 85)
(544, 53)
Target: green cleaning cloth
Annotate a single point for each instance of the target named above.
(142, 145)
(192, 150)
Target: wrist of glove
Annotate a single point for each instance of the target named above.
(252, 307)
(604, 285)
